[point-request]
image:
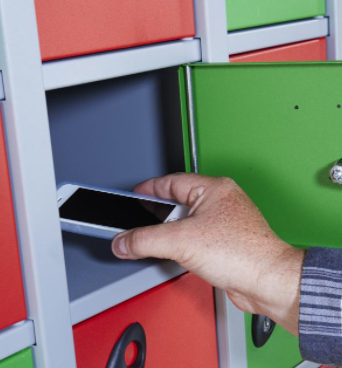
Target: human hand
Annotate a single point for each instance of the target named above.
(226, 241)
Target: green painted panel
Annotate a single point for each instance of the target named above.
(253, 13)
(275, 129)
(281, 350)
(19, 360)
(248, 128)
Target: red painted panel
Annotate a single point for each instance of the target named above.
(313, 50)
(12, 302)
(179, 321)
(73, 27)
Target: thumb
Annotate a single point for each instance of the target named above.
(166, 241)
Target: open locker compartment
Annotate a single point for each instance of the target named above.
(275, 129)
(114, 134)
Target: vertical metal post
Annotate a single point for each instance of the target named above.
(334, 40)
(33, 184)
(211, 27)
(230, 333)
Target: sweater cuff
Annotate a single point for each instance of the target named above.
(320, 311)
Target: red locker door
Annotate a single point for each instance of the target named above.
(313, 50)
(12, 302)
(179, 321)
(72, 27)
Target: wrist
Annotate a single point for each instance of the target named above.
(278, 290)
(275, 287)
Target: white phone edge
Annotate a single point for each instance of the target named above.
(66, 190)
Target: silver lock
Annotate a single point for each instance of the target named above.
(267, 325)
(336, 172)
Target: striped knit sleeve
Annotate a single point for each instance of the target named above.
(320, 312)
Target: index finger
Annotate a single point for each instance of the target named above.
(174, 186)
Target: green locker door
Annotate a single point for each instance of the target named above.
(254, 13)
(19, 360)
(275, 129)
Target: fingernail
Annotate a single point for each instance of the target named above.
(119, 246)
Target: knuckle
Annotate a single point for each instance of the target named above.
(226, 186)
(138, 240)
(227, 182)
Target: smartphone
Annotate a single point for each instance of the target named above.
(103, 213)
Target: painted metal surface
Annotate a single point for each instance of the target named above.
(211, 28)
(12, 305)
(33, 185)
(255, 144)
(313, 50)
(16, 338)
(68, 28)
(276, 35)
(309, 183)
(308, 365)
(92, 68)
(230, 327)
(256, 13)
(179, 321)
(19, 360)
(334, 40)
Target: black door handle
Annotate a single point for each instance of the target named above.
(134, 333)
(262, 328)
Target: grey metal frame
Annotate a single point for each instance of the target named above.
(334, 40)
(32, 176)
(126, 288)
(308, 365)
(91, 68)
(276, 35)
(22, 89)
(211, 28)
(213, 44)
(16, 338)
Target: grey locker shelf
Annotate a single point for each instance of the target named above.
(277, 35)
(308, 365)
(98, 281)
(16, 338)
(114, 134)
(97, 67)
(91, 68)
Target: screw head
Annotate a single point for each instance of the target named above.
(267, 325)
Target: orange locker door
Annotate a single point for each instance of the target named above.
(12, 303)
(178, 319)
(72, 27)
(313, 50)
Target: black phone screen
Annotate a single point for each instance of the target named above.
(113, 210)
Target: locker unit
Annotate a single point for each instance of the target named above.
(313, 50)
(22, 359)
(12, 305)
(70, 28)
(91, 105)
(274, 129)
(251, 13)
(177, 317)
